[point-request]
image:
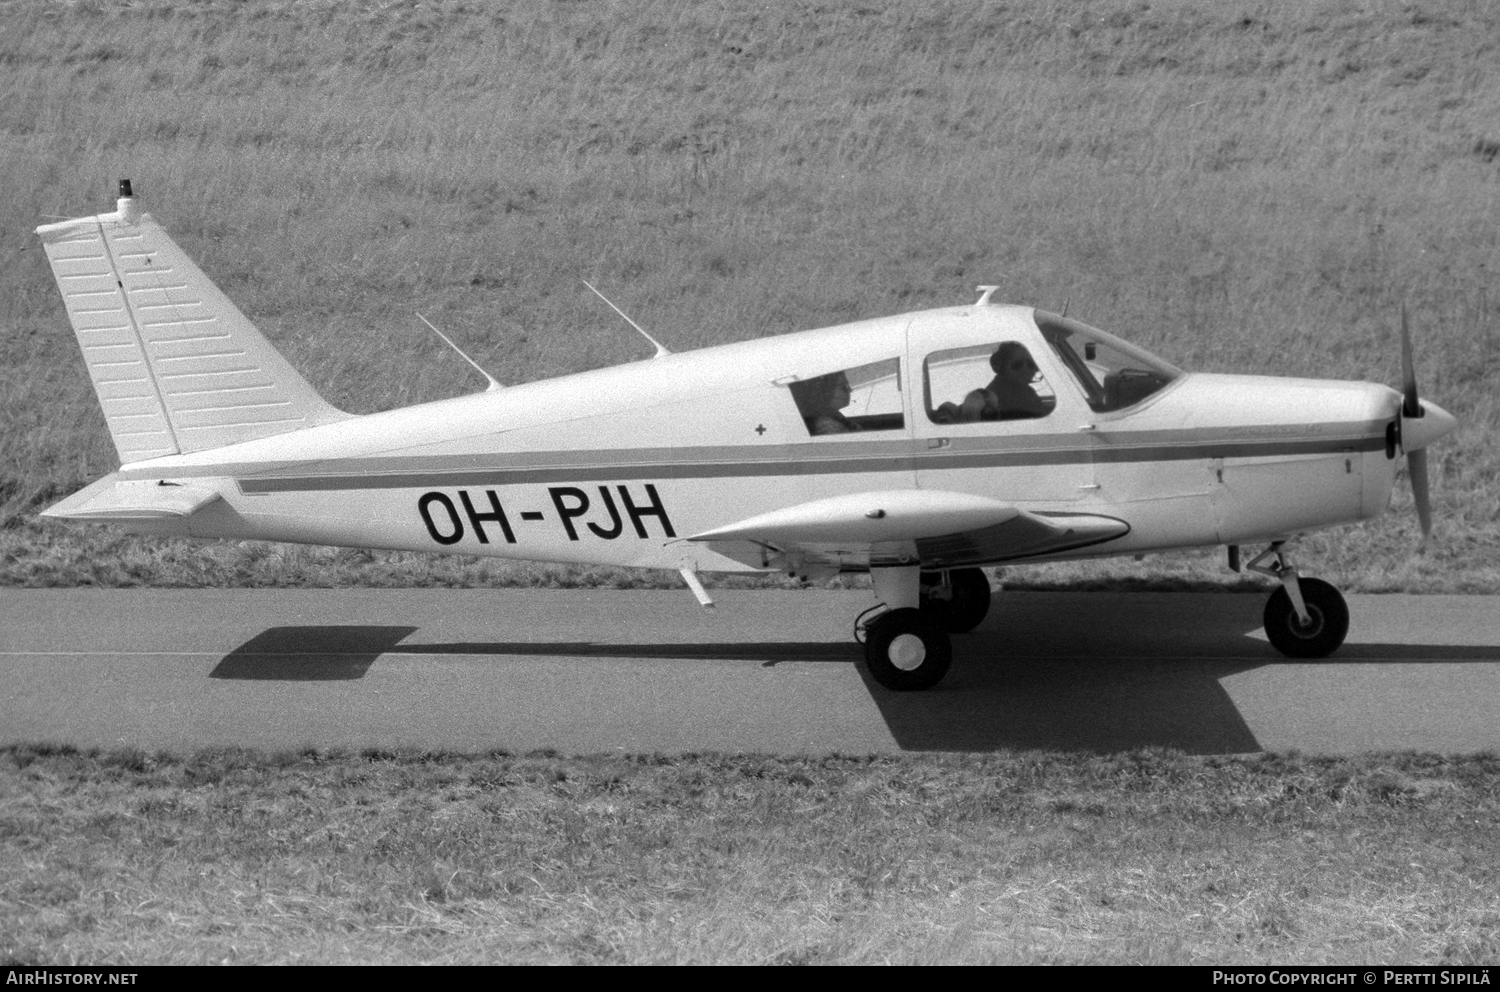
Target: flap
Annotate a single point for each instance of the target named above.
(1029, 535)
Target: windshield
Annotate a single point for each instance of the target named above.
(1113, 374)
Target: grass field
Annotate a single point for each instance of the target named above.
(1148, 857)
(1253, 187)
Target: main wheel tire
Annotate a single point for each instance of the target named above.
(967, 608)
(905, 651)
(1327, 626)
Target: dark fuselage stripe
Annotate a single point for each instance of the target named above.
(929, 461)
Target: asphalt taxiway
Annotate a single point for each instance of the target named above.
(587, 671)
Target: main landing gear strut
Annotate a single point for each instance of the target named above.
(1305, 618)
(907, 647)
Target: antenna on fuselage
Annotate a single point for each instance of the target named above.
(1065, 306)
(493, 384)
(661, 349)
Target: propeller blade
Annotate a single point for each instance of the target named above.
(1416, 467)
(1410, 406)
(1418, 429)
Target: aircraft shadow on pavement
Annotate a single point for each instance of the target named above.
(1076, 704)
(1065, 672)
(768, 653)
(339, 653)
(1071, 704)
(310, 654)
(1082, 672)
(1071, 672)
(1100, 703)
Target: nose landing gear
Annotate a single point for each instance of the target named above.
(1305, 618)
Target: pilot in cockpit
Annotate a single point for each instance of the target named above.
(1009, 395)
(1011, 389)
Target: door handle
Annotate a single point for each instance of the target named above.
(937, 442)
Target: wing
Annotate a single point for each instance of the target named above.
(932, 528)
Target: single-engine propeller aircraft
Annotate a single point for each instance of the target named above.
(919, 447)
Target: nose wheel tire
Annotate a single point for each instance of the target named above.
(905, 651)
(1327, 626)
(967, 602)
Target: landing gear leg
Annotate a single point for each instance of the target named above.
(1305, 618)
(904, 649)
(899, 588)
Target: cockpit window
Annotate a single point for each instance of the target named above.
(864, 398)
(1113, 374)
(997, 381)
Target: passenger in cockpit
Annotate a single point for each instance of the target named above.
(821, 400)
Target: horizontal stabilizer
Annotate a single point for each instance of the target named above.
(112, 499)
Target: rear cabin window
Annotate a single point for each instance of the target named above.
(864, 398)
(997, 381)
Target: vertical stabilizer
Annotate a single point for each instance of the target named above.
(176, 366)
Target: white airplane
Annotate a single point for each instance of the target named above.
(918, 447)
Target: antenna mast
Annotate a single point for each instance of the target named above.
(493, 384)
(661, 349)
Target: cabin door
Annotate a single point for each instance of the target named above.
(999, 419)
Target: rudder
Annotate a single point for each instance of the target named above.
(176, 366)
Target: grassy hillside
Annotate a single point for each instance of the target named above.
(1243, 187)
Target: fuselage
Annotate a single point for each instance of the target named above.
(621, 465)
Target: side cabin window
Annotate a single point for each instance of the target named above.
(865, 398)
(997, 381)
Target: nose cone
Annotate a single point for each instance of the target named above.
(1435, 422)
